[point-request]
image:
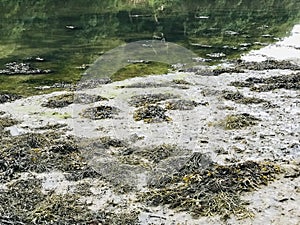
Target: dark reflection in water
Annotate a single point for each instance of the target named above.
(64, 35)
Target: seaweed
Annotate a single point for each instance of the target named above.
(100, 112)
(7, 122)
(155, 154)
(210, 188)
(151, 114)
(176, 83)
(145, 99)
(59, 101)
(23, 202)
(289, 82)
(183, 104)
(109, 141)
(214, 72)
(267, 65)
(42, 153)
(18, 200)
(181, 81)
(64, 100)
(238, 121)
(239, 98)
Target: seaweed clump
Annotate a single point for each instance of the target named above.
(64, 100)
(239, 98)
(267, 65)
(153, 154)
(290, 82)
(212, 189)
(212, 72)
(7, 122)
(238, 121)
(42, 153)
(183, 104)
(100, 112)
(151, 114)
(142, 100)
(23, 202)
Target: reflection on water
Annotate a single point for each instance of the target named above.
(64, 36)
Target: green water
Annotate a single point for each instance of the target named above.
(68, 34)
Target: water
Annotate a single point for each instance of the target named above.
(65, 36)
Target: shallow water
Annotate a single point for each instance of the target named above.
(66, 36)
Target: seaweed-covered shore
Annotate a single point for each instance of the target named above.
(182, 148)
